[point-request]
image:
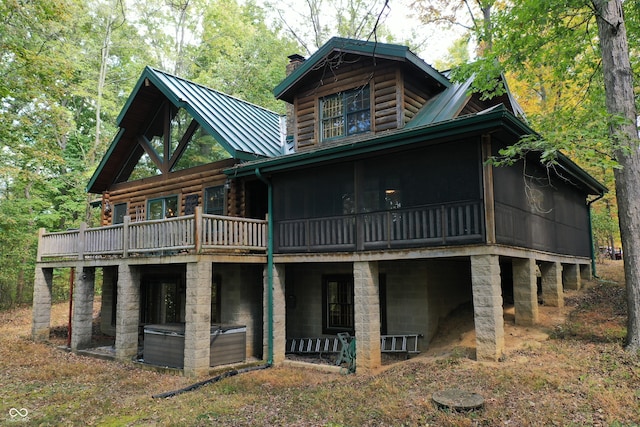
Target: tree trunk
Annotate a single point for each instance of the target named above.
(618, 84)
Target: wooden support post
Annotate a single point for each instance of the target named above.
(198, 233)
(125, 236)
(41, 233)
(81, 237)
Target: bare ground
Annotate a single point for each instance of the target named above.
(571, 369)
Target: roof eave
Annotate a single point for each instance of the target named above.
(498, 117)
(103, 162)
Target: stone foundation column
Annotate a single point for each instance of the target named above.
(41, 322)
(197, 333)
(552, 295)
(367, 315)
(585, 272)
(525, 291)
(279, 315)
(487, 307)
(127, 312)
(571, 276)
(82, 320)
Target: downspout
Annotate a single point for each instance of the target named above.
(269, 266)
(591, 242)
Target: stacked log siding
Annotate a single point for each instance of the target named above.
(191, 181)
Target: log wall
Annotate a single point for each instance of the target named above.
(396, 96)
(182, 184)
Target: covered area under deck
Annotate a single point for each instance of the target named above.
(409, 293)
(199, 295)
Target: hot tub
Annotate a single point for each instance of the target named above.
(164, 345)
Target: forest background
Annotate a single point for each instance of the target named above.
(68, 66)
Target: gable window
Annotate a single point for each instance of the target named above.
(119, 212)
(346, 113)
(214, 200)
(164, 207)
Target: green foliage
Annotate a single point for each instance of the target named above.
(312, 23)
(68, 67)
(240, 55)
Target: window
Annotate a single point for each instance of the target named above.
(214, 200)
(162, 300)
(338, 304)
(346, 113)
(165, 207)
(119, 212)
(338, 307)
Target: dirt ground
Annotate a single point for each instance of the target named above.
(569, 370)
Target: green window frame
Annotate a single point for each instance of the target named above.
(162, 207)
(119, 212)
(345, 113)
(214, 200)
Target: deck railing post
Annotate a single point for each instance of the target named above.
(41, 233)
(125, 236)
(198, 232)
(81, 242)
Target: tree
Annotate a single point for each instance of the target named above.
(552, 46)
(62, 75)
(312, 22)
(620, 102)
(239, 54)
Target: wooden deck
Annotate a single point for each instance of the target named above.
(186, 234)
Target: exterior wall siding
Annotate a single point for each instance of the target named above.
(395, 98)
(183, 183)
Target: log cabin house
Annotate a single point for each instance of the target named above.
(371, 210)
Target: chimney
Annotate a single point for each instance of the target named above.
(295, 61)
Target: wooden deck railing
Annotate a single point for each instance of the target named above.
(431, 225)
(188, 234)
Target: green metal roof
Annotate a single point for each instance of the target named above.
(444, 106)
(447, 104)
(367, 48)
(498, 117)
(241, 127)
(246, 131)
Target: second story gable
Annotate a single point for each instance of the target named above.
(175, 137)
(352, 89)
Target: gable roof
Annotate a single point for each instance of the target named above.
(246, 131)
(365, 48)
